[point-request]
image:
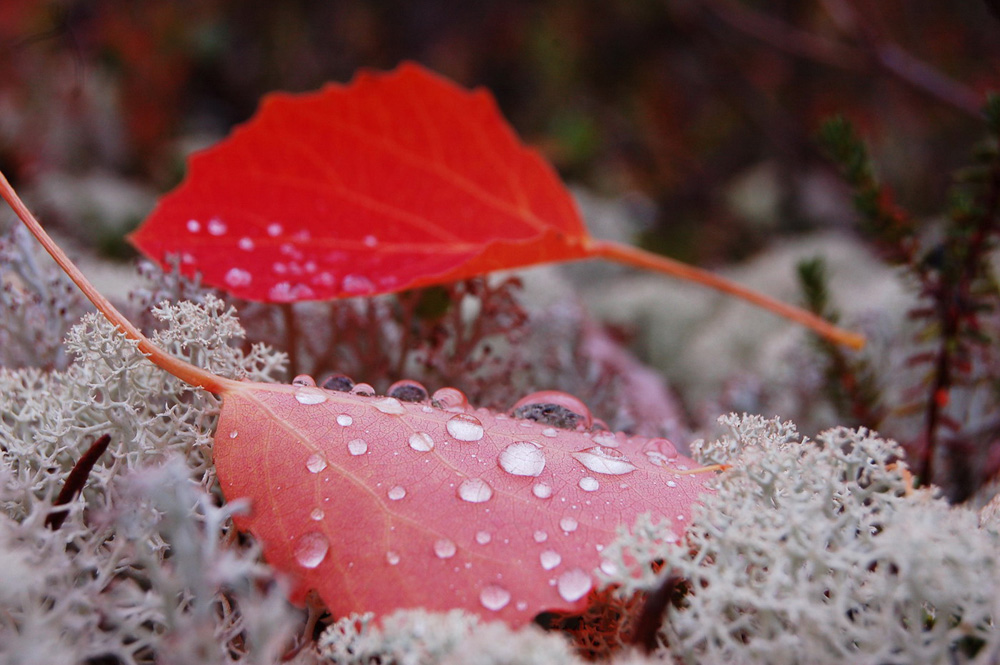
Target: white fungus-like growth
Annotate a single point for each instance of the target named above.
(818, 552)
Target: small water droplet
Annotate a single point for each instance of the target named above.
(315, 463)
(389, 405)
(339, 382)
(483, 537)
(550, 432)
(542, 490)
(588, 484)
(475, 490)
(609, 567)
(363, 389)
(217, 227)
(465, 427)
(303, 380)
(494, 597)
(357, 447)
(421, 442)
(568, 524)
(236, 277)
(607, 461)
(392, 558)
(370, 240)
(233, 434)
(396, 493)
(193, 226)
(317, 514)
(407, 390)
(522, 458)
(450, 399)
(310, 395)
(357, 285)
(555, 408)
(311, 549)
(549, 559)
(606, 439)
(245, 243)
(671, 483)
(344, 420)
(574, 584)
(444, 548)
(540, 536)
(274, 229)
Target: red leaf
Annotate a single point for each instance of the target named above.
(396, 181)
(380, 505)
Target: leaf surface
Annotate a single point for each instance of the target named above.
(379, 504)
(394, 181)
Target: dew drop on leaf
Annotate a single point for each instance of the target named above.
(392, 558)
(246, 244)
(465, 427)
(357, 446)
(609, 567)
(494, 597)
(344, 420)
(317, 514)
(303, 380)
(363, 389)
(552, 407)
(450, 399)
(217, 227)
(483, 537)
(574, 585)
(237, 277)
(568, 524)
(315, 463)
(444, 549)
(589, 484)
(475, 490)
(396, 493)
(549, 559)
(310, 395)
(407, 390)
(540, 536)
(542, 490)
(608, 461)
(339, 382)
(311, 549)
(522, 458)
(421, 442)
(389, 405)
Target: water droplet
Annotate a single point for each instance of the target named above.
(542, 490)
(233, 434)
(392, 558)
(555, 408)
(609, 567)
(483, 537)
(193, 226)
(363, 389)
(339, 382)
(606, 439)
(661, 446)
(303, 380)
(274, 229)
(494, 597)
(608, 461)
(444, 549)
(311, 549)
(407, 390)
(396, 493)
(568, 524)
(540, 536)
(450, 399)
(574, 585)
(344, 420)
(217, 227)
(549, 559)
(370, 241)
(357, 285)
(474, 490)
(236, 278)
(671, 483)
(357, 447)
(245, 243)
(465, 427)
(588, 484)
(316, 463)
(317, 514)
(389, 405)
(421, 442)
(523, 458)
(310, 395)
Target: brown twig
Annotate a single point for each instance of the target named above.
(75, 480)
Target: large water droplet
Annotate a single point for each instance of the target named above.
(444, 549)
(339, 382)
(357, 446)
(523, 458)
(574, 585)
(311, 549)
(475, 490)
(407, 391)
(549, 559)
(303, 380)
(555, 408)
(396, 493)
(316, 463)
(542, 490)
(389, 405)
(608, 461)
(465, 427)
(344, 420)
(421, 442)
(568, 524)
(450, 399)
(659, 451)
(589, 484)
(494, 597)
(310, 395)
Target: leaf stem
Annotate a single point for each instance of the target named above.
(648, 261)
(185, 371)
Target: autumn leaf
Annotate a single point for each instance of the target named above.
(395, 181)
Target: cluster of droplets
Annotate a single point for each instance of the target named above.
(522, 458)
